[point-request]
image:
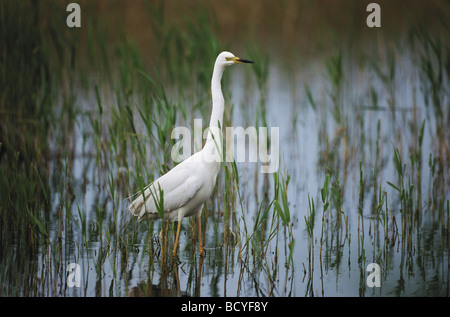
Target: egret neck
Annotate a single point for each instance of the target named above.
(214, 139)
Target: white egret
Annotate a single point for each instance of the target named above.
(189, 184)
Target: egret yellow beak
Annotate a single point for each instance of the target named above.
(238, 60)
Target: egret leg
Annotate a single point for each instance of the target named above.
(200, 243)
(176, 238)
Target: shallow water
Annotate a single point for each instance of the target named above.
(339, 270)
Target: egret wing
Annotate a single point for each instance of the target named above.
(178, 187)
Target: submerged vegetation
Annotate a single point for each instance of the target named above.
(86, 120)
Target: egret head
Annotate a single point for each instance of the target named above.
(228, 59)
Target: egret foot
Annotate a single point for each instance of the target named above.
(174, 252)
(200, 243)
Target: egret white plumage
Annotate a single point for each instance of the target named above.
(187, 186)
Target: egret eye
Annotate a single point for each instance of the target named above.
(230, 59)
